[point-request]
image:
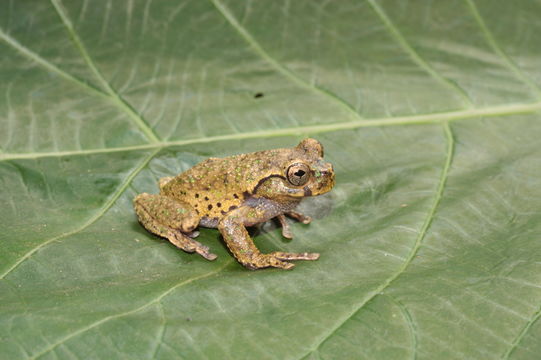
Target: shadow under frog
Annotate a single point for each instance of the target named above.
(235, 192)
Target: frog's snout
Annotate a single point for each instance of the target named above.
(329, 170)
(329, 174)
(324, 181)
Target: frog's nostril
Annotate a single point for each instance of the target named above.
(327, 168)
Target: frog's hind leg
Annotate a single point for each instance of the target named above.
(171, 219)
(189, 245)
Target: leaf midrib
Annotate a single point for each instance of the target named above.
(432, 118)
(437, 118)
(359, 122)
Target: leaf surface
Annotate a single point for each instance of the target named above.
(429, 111)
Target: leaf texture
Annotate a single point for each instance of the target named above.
(429, 111)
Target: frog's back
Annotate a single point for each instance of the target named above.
(214, 186)
(218, 185)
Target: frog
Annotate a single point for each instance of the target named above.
(236, 192)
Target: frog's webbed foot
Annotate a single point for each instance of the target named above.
(189, 245)
(242, 247)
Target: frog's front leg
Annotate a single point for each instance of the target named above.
(286, 231)
(305, 219)
(232, 227)
(171, 219)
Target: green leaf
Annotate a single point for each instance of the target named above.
(430, 241)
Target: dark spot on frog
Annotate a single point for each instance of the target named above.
(246, 194)
(232, 207)
(209, 207)
(196, 196)
(258, 95)
(206, 198)
(235, 196)
(307, 191)
(219, 204)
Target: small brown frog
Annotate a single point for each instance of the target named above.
(234, 192)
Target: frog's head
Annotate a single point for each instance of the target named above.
(301, 172)
(308, 171)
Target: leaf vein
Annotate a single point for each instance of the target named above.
(161, 332)
(423, 64)
(282, 69)
(523, 332)
(428, 221)
(511, 65)
(113, 94)
(47, 65)
(90, 221)
(133, 311)
(435, 118)
(411, 325)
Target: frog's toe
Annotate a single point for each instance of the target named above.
(190, 245)
(274, 261)
(206, 254)
(193, 234)
(295, 256)
(287, 233)
(305, 219)
(284, 265)
(267, 260)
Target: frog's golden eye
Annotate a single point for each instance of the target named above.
(298, 174)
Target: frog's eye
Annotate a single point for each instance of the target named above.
(297, 174)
